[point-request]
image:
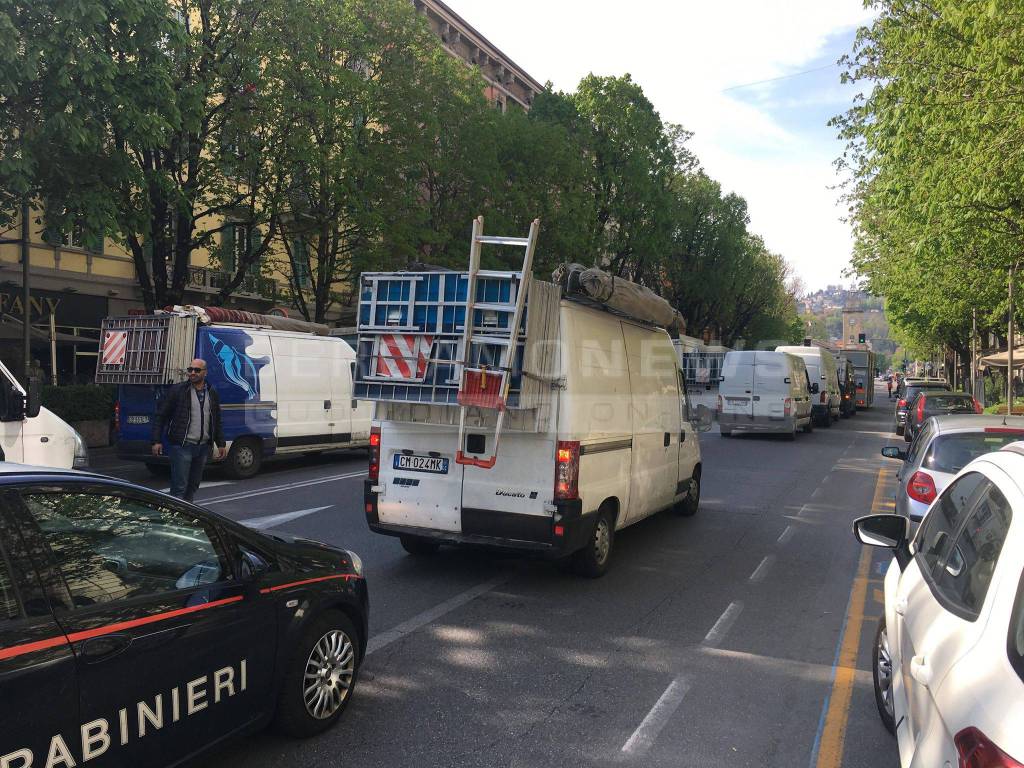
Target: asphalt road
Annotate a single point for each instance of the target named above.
(738, 637)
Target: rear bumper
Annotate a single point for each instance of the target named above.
(565, 532)
(739, 423)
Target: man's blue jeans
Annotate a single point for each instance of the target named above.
(187, 462)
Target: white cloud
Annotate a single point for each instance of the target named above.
(684, 55)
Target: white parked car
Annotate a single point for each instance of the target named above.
(949, 651)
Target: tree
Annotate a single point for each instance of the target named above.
(934, 153)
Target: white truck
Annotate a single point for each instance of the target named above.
(596, 431)
(31, 434)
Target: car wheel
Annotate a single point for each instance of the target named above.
(320, 676)
(726, 432)
(244, 459)
(907, 436)
(900, 429)
(593, 559)
(689, 505)
(416, 545)
(882, 673)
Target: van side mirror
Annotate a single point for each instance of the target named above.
(892, 452)
(889, 531)
(702, 418)
(34, 401)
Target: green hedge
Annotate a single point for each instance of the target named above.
(84, 402)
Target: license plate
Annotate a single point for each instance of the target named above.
(435, 465)
(138, 419)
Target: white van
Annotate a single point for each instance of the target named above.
(764, 392)
(826, 399)
(281, 392)
(611, 444)
(31, 434)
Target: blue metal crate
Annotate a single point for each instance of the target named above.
(411, 327)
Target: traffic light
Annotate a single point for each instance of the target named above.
(862, 338)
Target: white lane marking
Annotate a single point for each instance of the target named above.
(724, 623)
(269, 521)
(386, 638)
(786, 535)
(643, 737)
(762, 569)
(204, 486)
(278, 488)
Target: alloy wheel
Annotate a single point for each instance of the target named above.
(329, 673)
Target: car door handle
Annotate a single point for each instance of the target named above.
(668, 439)
(921, 671)
(105, 647)
(901, 606)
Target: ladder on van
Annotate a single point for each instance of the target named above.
(484, 385)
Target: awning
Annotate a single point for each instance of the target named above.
(1001, 359)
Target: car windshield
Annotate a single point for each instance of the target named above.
(951, 453)
(949, 403)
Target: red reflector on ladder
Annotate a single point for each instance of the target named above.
(482, 389)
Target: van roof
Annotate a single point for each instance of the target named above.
(751, 356)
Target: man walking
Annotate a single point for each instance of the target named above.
(191, 413)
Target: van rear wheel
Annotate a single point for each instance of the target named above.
(415, 545)
(592, 561)
(244, 459)
(689, 505)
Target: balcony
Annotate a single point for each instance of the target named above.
(205, 280)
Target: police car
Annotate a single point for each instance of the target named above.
(136, 629)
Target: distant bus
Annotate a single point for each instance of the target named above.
(864, 375)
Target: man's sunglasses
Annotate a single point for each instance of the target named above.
(191, 369)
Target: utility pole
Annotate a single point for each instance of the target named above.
(26, 295)
(974, 351)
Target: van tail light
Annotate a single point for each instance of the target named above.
(788, 406)
(567, 470)
(374, 453)
(976, 751)
(117, 417)
(824, 397)
(719, 403)
(977, 406)
(922, 488)
(902, 403)
(920, 409)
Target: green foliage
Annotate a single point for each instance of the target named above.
(85, 402)
(936, 154)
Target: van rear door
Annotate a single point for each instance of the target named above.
(421, 485)
(770, 387)
(738, 386)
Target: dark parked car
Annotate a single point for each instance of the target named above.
(907, 393)
(139, 630)
(931, 403)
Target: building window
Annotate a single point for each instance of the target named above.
(300, 263)
(236, 245)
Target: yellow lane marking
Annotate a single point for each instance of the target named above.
(833, 735)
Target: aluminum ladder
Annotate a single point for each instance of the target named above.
(483, 386)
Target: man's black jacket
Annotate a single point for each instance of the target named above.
(176, 412)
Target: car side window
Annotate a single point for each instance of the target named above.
(112, 547)
(10, 608)
(964, 574)
(1015, 642)
(683, 396)
(935, 536)
(920, 440)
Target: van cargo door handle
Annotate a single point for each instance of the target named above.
(668, 439)
(756, 398)
(682, 437)
(327, 405)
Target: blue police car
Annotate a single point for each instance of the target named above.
(139, 630)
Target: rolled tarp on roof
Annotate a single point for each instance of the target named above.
(619, 294)
(209, 315)
(1002, 359)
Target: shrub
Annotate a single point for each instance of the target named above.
(84, 402)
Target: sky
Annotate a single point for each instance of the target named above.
(769, 142)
